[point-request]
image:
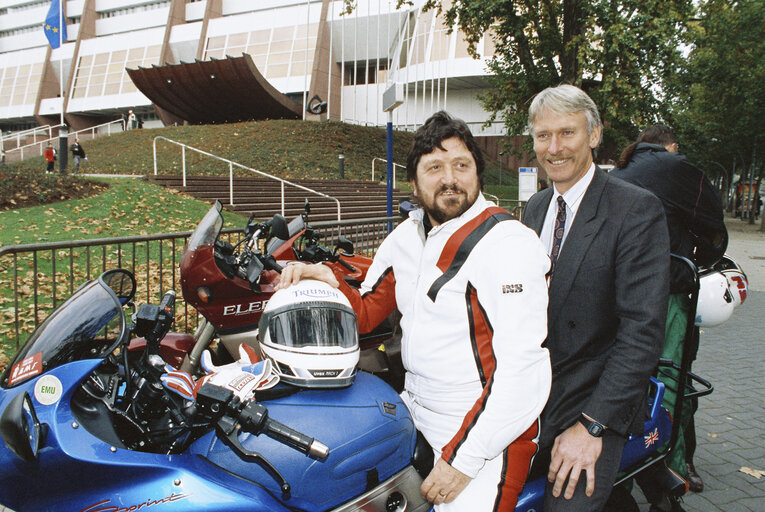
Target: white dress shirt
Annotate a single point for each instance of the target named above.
(573, 198)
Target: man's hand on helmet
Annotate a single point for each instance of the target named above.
(296, 272)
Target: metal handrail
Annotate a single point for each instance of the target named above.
(385, 161)
(492, 197)
(92, 129)
(24, 133)
(231, 165)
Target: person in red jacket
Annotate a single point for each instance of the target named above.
(50, 157)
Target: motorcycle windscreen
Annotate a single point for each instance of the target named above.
(314, 326)
(208, 228)
(89, 325)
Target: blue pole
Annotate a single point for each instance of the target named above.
(389, 138)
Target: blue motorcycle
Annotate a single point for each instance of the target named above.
(88, 426)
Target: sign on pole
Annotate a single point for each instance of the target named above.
(527, 182)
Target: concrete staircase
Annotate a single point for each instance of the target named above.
(262, 196)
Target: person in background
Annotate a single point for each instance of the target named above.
(50, 156)
(469, 281)
(78, 154)
(609, 249)
(132, 122)
(697, 231)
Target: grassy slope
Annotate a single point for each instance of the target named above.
(128, 207)
(289, 149)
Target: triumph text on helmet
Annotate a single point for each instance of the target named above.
(310, 333)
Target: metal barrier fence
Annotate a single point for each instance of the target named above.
(38, 147)
(36, 278)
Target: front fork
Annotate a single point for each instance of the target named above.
(203, 336)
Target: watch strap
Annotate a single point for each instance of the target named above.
(594, 428)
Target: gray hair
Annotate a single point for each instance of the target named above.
(564, 99)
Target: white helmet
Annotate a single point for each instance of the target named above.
(310, 333)
(737, 281)
(715, 303)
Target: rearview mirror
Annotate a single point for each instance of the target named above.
(121, 282)
(406, 207)
(344, 245)
(20, 428)
(279, 228)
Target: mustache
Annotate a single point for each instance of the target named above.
(450, 188)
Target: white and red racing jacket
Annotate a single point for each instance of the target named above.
(473, 300)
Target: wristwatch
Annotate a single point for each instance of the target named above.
(593, 427)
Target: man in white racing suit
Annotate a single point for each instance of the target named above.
(469, 282)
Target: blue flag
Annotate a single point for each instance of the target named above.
(55, 25)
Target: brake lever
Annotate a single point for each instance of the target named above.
(230, 428)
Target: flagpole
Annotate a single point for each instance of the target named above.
(61, 57)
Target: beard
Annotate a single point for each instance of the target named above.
(442, 209)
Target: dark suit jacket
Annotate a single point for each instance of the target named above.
(608, 306)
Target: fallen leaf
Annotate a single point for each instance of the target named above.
(757, 473)
(712, 435)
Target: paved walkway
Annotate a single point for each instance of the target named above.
(730, 422)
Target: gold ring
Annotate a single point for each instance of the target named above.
(441, 493)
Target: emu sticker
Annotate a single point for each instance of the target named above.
(48, 390)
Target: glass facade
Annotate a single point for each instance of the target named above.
(19, 84)
(104, 74)
(277, 52)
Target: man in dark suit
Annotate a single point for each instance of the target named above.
(608, 288)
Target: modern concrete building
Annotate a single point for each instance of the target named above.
(296, 53)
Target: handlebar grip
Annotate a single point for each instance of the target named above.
(168, 300)
(346, 264)
(301, 442)
(271, 264)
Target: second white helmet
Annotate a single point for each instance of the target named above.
(715, 303)
(737, 280)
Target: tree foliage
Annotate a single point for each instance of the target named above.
(720, 94)
(619, 51)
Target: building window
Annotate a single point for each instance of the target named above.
(133, 10)
(365, 73)
(104, 74)
(277, 53)
(19, 85)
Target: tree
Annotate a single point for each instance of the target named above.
(619, 51)
(720, 95)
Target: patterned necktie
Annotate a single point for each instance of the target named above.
(560, 224)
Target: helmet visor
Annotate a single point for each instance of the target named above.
(319, 325)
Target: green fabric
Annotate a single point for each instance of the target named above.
(674, 334)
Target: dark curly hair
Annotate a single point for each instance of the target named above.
(439, 127)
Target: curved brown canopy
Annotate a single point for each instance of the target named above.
(214, 91)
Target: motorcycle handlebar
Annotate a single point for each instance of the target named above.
(302, 442)
(168, 301)
(346, 264)
(254, 418)
(270, 263)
